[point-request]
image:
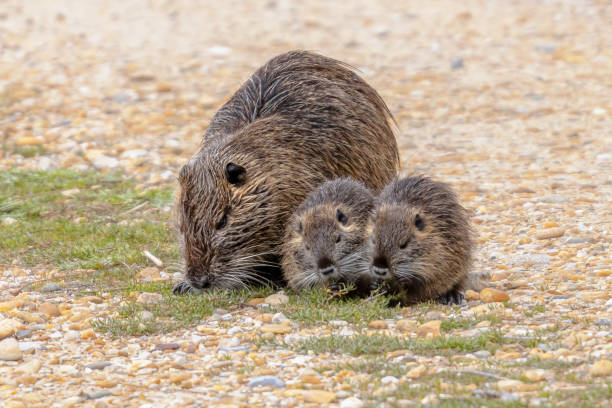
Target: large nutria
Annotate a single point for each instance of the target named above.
(421, 241)
(325, 239)
(300, 119)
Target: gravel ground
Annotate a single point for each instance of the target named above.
(508, 101)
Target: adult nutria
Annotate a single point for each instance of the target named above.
(421, 241)
(300, 119)
(324, 242)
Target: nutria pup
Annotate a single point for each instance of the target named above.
(324, 243)
(299, 120)
(421, 241)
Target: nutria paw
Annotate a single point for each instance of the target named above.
(182, 288)
(452, 297)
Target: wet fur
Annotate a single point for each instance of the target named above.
(435, 263)
(320, 228)
(300, 119)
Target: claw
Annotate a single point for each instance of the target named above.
(453, 296)
(182, 288)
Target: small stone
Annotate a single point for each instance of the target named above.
(486, 308)
(8, 221)
(277, 299)
(30, 141)
(406, 325)
(275, 329)
(100, 365)
(515, 386)
(554, 199)
(266, 381)
(167, 346)
(456, 63)
(319, 397)
(23, 334)
(98, 394)
(429, 329)
(149, 298)
(148, 274)
(31, 367)
(14, 404)
(482, 354)
(389, 380)
(472, 295)
(310, 379)
(490, 295)
(50, 287)
(573, 240)
(256, 301)
(9, 350)
(88, 334)
(279, 318)
(602, 368)
(550, 233)
(433, 315)
(603, 322)
(29, 317)
(535, 375)
(351, 402)
(416, 372)
(377, 325)
(8, 327)
(145, 315)
(50, 309)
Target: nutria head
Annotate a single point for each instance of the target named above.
(325, 237)
(222, 202)
(420, 237)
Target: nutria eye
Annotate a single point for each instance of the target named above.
(419, 223)
(235, 174)
(307, 247)
(404, 245)
(300, 227)
(222, 222)
(338, 239)
(342, 219)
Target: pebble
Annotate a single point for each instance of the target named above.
(319, 397)
(570, 241)
(100, 365)
(149, 298)
(406, 325)
(535, 375)
(550, 233)
(8, 221)
(472, 295)
(456, 63)
(279, 318)
(603, 322)
(389, 380)
(145, 315)
(277, 299)
(482, 354)
(275, 329)
(167, 346)
(554, 199)
(602, 368)
(515, 386)
(9, 350)
(98, 394)
(416, 372)
(351, 402)
(429, 329)
(490, 295)
(266, 381)
(8, 327)
(50, 287)
(30, 367)
(377, 324)
(50, 309)
(23, 334)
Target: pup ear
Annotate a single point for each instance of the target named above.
(235, 174)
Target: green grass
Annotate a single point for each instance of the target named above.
(362, 344)
(87, 228)
(26, 151)
(467, 323)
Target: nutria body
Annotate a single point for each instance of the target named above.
(421, 241)
(300, 119)
(325, 239)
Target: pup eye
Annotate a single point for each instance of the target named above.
(307, 247)
(300, 227)
(404, 245)
(338, 239)
(222, 222)
(419, 223)
(342, 219)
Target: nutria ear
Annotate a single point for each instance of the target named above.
(235, 174)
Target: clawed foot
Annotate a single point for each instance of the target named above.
(452, 297)
(182, 288)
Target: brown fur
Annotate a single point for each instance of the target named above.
(300, 119)
(422, 241)
(325, 238)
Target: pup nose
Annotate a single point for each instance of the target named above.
(380, 262)
(325, 266)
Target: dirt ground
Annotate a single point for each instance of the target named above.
(509, 101)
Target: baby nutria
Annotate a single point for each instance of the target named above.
(421, 241)
(325, 239)
(299, 120)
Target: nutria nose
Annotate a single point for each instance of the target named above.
(325, 266)
(200, 282)
(380, 262)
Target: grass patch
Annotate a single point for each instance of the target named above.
(362, 344)
(316, 306)
(27, 151)
(467, 323)
(80, 220)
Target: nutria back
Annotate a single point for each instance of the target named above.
(421, 240)
(300, 119)
(325, 238)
